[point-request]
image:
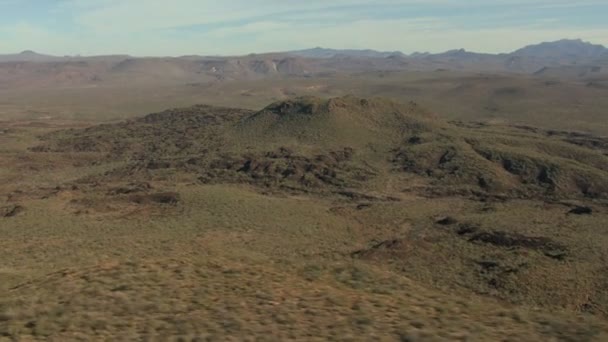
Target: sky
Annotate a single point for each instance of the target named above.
(232, 27)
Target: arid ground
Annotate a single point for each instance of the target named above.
(427, 205)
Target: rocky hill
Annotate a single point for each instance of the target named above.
(408, 227)
(352, 143)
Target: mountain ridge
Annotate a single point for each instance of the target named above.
(576, 48)
(542, 49)
(29, 68)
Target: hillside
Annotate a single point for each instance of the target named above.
(224, 222)
(379, 134)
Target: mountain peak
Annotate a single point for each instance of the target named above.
(564, 48)
(338, 122)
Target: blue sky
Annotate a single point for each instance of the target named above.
(179, 27)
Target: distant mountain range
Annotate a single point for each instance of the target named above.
(565, 48)
(319, 52)
(561, 49)
(563, 58)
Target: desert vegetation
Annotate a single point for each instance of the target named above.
(306, 195)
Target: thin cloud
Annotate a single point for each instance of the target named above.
(143, 27)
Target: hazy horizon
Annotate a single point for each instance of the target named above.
(42, 53)
(189, 27)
